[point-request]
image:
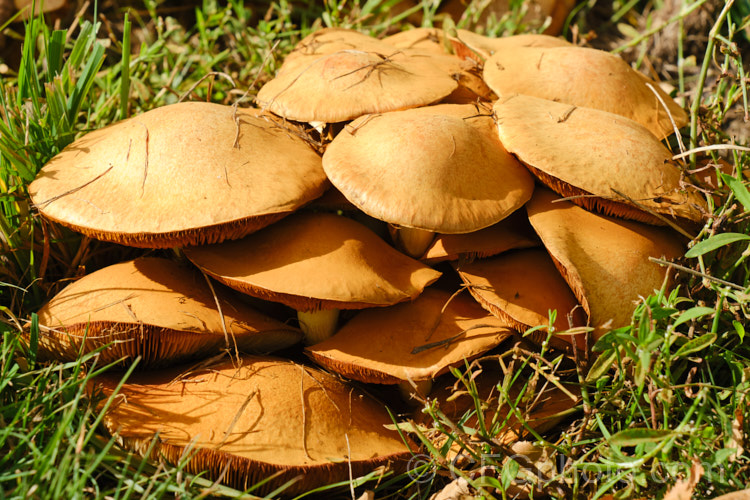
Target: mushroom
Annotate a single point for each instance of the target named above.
(511, 232)
(347, 84)
(154, 309)
(603, 161)
(411, 342)
(252, 420)
(605, 261)
(317, 264)
(469, 45)
(522, 287)
(584, 77)
(135, 182)
(434, 169)
(425, 39)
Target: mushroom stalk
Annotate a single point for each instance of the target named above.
(414, 242)
(318, 325)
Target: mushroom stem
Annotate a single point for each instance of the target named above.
(318, 325)
(414, 242)
(413, 391)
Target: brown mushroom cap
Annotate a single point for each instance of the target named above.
(511, 232)
(522, 287)
(428, 169)
(583, 77)
(316, 261)
(468, 44)
(581, 152)
(252, 420)
(329, 40)
(350, 83)
(604, 260)
(153, 308)
(377, 346)
(426, 39)
(154, 180)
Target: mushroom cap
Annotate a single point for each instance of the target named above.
(377, 346)
(428, 168)
(511, 232)
(604, 260)
(316, 261)
(249, 419)
(329, 40)
(347, 84)
(470, 45)
(426, 39)
(135, 182)
(153, 308)
(583, 77)
(585, 151)
(522, 287)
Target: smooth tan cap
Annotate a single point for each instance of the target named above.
(511, 232)
(522, 287)
(329, 40)
(427, 39)
(428, 168)
(583, 77)
(468, 44)
(350, 83)
(153, 308)
(378, 346)
(316, 261)
(174, 176)
(604, 260)
(245, 423)
(584, 151)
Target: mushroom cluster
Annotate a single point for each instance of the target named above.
(376, 181)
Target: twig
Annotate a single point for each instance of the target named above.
(711, 147)
(696, 273)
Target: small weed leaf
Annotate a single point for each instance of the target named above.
(739, 329)
(696, 344)
(715, 242)
(510, 471)
(634, 437)
(602, 364)
(739, 190)
(693, 313)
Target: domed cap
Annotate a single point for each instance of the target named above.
(604, 260)
(316, 261)
(155, 180)
(426, 39)
(428, 168)
(245, 423)
(583, 77)
(329, 40)
(521, 287)
(511, 232)
(350, 83)
(388, 346)
(581, 152)
(153, 308)
(468, 44)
